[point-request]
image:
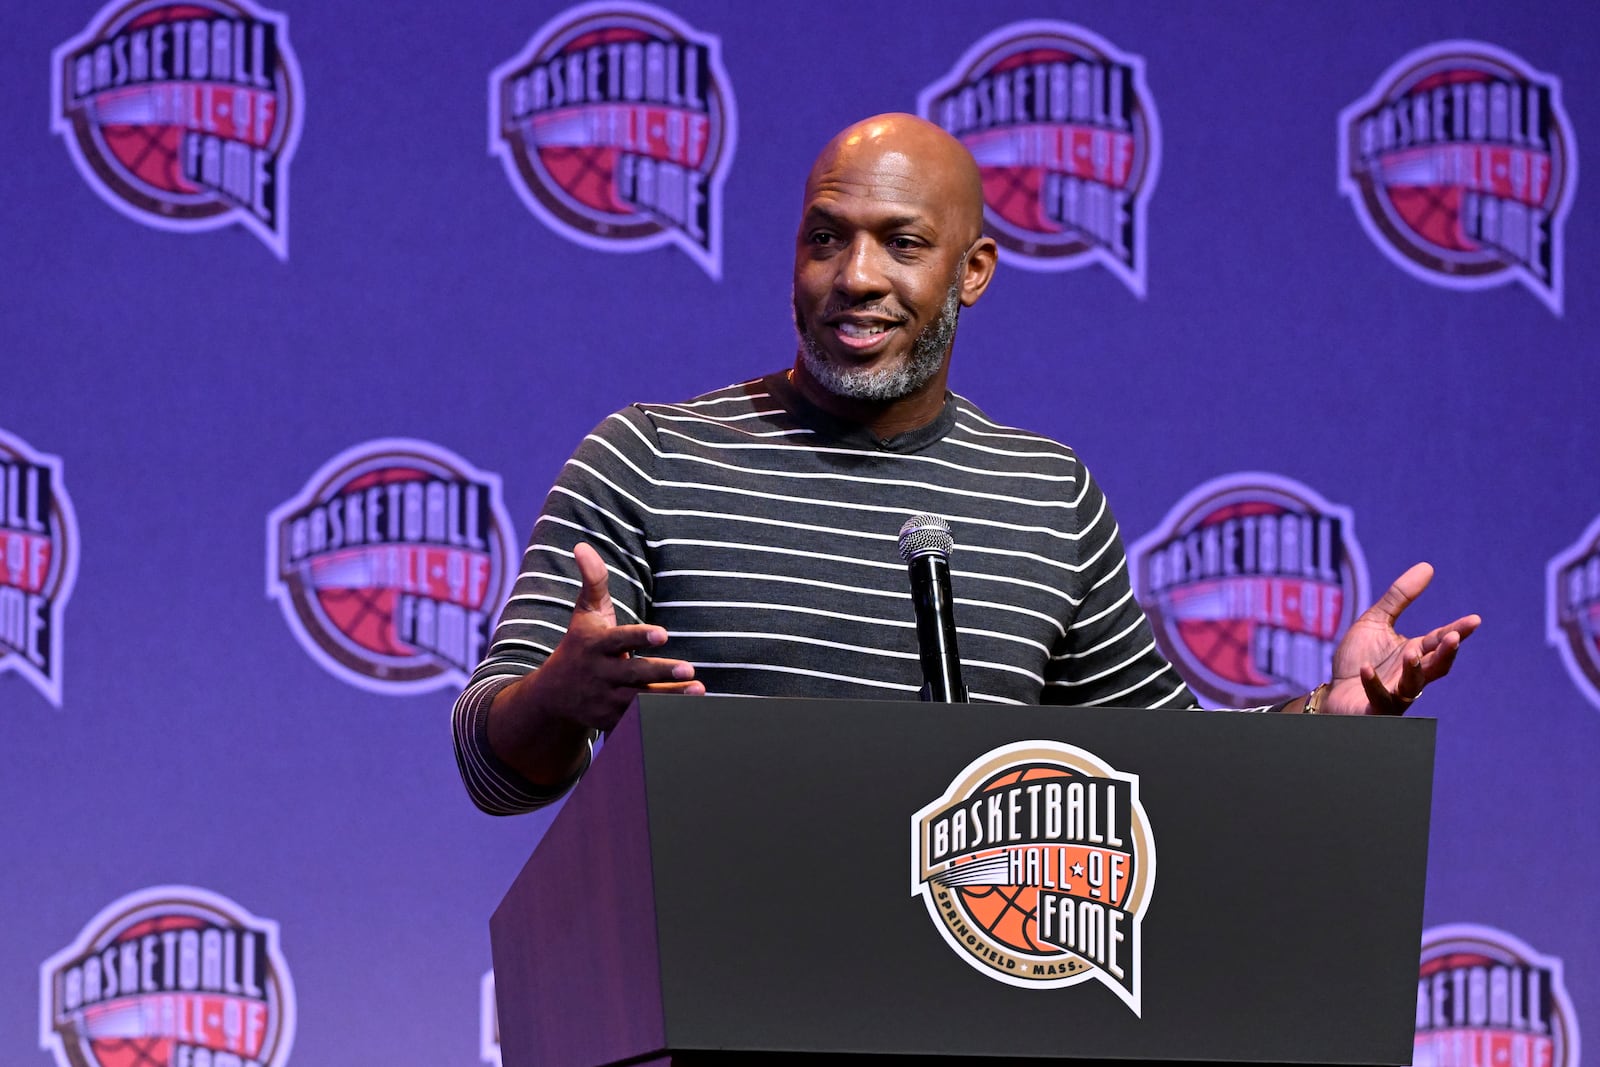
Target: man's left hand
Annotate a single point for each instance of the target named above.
(1377, 671)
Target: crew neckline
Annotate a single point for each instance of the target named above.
(853, 433)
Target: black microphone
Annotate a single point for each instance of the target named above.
(925, 545)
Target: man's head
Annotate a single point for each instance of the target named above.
(890, 247)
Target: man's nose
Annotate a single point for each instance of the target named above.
(860, 274)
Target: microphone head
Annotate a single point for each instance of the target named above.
(925, 535)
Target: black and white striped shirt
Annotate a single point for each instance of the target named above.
(761, 533)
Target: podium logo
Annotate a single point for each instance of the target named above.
(389, 562)
(1485, 999)
(1250, 582)
(1461, 165)
(1036, 866)
(1065, 132)
(184, 116)
(1572, 624)
(38, 564)
(616, 127)
(172, 975)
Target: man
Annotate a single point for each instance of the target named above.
(754, 529)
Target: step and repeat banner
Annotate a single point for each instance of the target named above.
(304, 305)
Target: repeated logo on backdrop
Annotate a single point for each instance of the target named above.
(172, 975)
(616, 126)
(1461, 165)
(391, 563)
(1036, 866)
(38, 564)
(1572, 613)
(1250, 582)
(184, 115)
(1485, 999)
(1065, 131)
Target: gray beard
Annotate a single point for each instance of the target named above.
(928, 353)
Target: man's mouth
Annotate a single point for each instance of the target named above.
(863, 334)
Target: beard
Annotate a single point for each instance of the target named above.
(928, 353)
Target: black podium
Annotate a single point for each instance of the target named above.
(733, 881)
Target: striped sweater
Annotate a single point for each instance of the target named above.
(761, 533)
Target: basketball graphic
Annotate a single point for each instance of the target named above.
(1461, 165)
(1249, 582)
(1036, 865)
(1572, 610)
(1068, 142)
(391, 564)
(1484, 996)
(184, 116)
(171, 974)
(616, 127)
(39, 550)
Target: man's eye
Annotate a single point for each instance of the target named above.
(822, 237)
(903, 244)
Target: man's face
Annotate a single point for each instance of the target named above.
(879, 264)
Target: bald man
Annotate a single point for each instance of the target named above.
(744, 542)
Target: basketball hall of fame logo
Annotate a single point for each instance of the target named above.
(1572, 614)
(616, 127)
(1485, 999)
(184, 115)
(1036, 866)
(38, 564)
(1461, 165)
(1250, 582)
(173, 976)
(1065, 132)
(389, 563)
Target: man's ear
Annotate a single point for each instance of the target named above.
(978, 269)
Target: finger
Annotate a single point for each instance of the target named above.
(1444, 657)
(1399, 596)
(595, 595)
(1412, 677)
(1378, 695)
(688, 689)
(621, 640)
(642, 671)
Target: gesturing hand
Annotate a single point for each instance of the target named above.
(1377, 671)
(593, 674)
(541, 724)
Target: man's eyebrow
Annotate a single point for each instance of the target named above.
(892, 222)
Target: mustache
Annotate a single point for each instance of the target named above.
(877, 309)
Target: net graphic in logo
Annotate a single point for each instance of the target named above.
(1066, 135)
(1485, 999)
(184, 115)
(38, 564)
(616, 126)
(488, 1021)
(390, 563)
(1036, 866)
(1249, 583)
(1572, 612)
(171, 975)
(1461, 165)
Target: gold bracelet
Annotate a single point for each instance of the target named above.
(1315, 697)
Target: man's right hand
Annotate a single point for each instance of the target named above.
(541, 725)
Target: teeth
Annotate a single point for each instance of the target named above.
(851, 329)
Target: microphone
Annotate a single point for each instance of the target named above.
(925, 545)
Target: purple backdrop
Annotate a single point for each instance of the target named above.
(192, 382)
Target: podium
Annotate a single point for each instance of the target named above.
(732, 882)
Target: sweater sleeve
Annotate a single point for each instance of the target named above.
(601, 498)
(1108, 655)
